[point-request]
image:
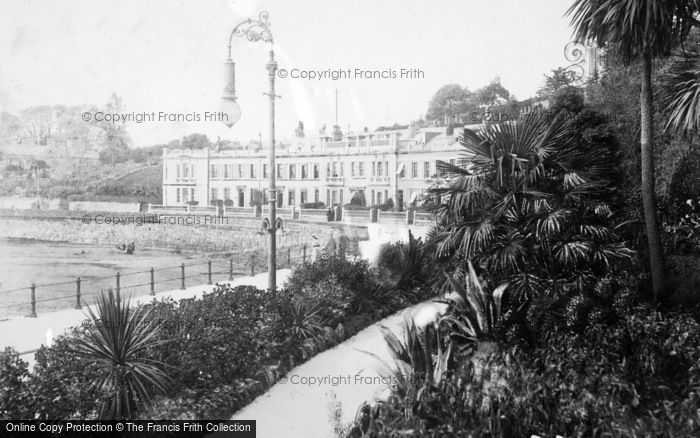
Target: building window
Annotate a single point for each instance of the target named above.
(302, 196)
(374, 169)
(361, 169)
(177, 171)
(341, 197)
(328, 197)
(177, 194)
(291, 197)
(386, 168)
(304, 172)
(379, 198)
(227, 193)
(240, 171)
(214, 171)
(265, 175)
(185, 171)
(228, 171)
(328, 170)
(316, 171)
(252, 171)
(192, 194)
(335, 169)
(414, 170)
(335, 197)
(317, 195)
(380, 170)
(214, 193)
(426, 169)
(353, 169)
(185, 198)
(280, 171)
(342, 168)
(292, 171)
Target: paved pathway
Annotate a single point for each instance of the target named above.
(303, 404)
(26, 335)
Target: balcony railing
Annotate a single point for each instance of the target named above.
(335, 180)
(188, 180)
(384, 180)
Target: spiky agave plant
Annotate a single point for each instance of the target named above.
(473, 314)
(118, 342)
(418, 360)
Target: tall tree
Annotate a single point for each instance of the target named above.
(492, 94)
(639, 29)
(449, 101)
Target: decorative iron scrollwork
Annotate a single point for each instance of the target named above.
(575, 53)
(253, 30)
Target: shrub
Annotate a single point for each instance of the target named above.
(218, 338)
(354, 275)
(638, 377)
(15, 397)
(405, 265)
(329, 296)
(62, 383)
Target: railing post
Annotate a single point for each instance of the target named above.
(77, 293)
(209, 271)
(303, 254)
(153, 281)
(252, 265)
(182, 277)
(289, 257)
(118, 286)
(230, 269)
(32, 313)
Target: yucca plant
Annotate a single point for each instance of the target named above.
(117, 343)
(418, 360)
(473, 314)
(306, 322)
(529, 204)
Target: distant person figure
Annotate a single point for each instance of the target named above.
(331, 246)
(330, 214)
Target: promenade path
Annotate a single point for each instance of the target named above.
(26, 335)
(316, 398)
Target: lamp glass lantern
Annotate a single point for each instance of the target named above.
(229, 107)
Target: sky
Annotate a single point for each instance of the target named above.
(166, 56)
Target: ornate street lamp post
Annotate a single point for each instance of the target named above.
(256, 30)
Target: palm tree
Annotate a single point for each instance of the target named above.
(118, 342)
(639, 29)
(529, 207)
(682, 88)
